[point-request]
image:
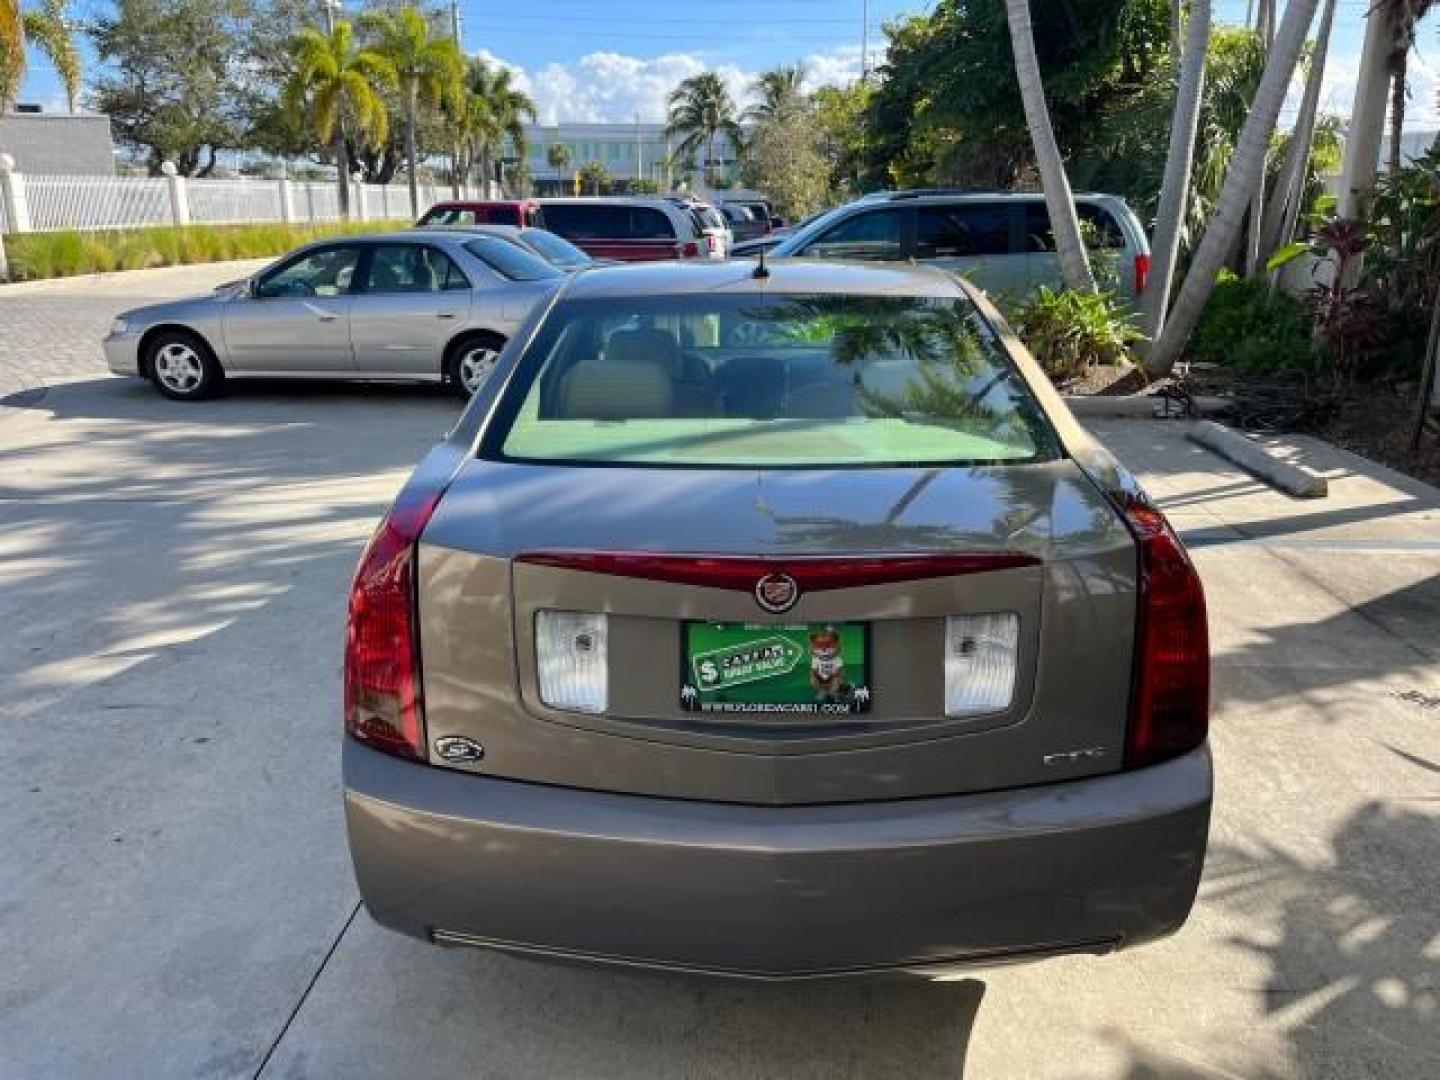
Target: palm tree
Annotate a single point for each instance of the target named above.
(341, 84)
(428, 68)
(595, 176)
(50, 32)
(1065, 223)
(508, 110)
(701, 110)
(1283, 210)
(779, 92)
(558, 156)
(1175, 188)
(1245, 167)
(1404, 15)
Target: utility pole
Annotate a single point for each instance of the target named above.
(864, 40)
(455, 24)
(639, 151)
(331, 8)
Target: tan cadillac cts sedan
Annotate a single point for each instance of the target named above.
(775, 622)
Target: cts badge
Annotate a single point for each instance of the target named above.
(777, 593)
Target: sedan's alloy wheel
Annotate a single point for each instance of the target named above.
(476, 363)
(179, 367)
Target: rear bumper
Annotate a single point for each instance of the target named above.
(777, 892)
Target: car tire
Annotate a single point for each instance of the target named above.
(182, 366)
(470, 360)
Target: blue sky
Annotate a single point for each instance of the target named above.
(614, 59)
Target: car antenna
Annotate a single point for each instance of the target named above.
(761, 270)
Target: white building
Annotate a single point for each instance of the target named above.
(626, 151)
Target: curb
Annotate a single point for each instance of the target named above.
(1254, 459)
(1143, 407)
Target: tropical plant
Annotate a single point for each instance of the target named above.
(1246, 167)
(1064, 220)
(47, 28)
(701, 110)
(1069, 332)
(557, 155)
(1255, 331)
(779, 92)
(338, 84)
(500, 110)
(595, 176)
(1346, 319)
(428, 68)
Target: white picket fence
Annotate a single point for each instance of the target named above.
(52, 203)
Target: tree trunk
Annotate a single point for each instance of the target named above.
(1175, 189)
(1399, 74)
(1367, 119)
(455, 167)
(1245, 168)
(710, 164)
(412, 105)
(1177, 28)
(342, 168)
(1254, 224)
(1064, 222)
(1283, 211)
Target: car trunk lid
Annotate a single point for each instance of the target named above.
(1035, 541)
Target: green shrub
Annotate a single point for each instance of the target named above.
(1070, 332)
(1249, 329)
(65, 254)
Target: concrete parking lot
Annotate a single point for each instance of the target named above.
(175, 893)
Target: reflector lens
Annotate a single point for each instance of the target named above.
(980, 662)
(571, 655)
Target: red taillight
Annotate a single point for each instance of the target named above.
(1142, 273)
(1170, 702)
(811, 573)
(690, 250)
(384, 703)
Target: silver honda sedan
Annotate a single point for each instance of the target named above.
(775, 624)
(414, 306)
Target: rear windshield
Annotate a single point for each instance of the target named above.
(510, 260)
(555, 248)
(712, 381)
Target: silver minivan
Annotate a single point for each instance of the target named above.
(1000, 241)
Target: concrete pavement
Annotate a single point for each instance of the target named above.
(176, 899)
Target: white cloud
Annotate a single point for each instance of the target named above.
(610, 87)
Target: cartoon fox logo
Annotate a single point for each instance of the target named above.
(827, 665)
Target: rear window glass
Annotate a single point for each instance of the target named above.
(1096, 223)
(945, 232)
(510, 260)
(608, 221)
(484, 215)
(768, 382)
(555, 248)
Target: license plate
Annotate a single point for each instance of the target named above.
(810, 669)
